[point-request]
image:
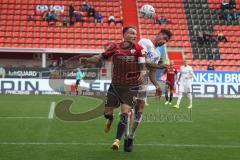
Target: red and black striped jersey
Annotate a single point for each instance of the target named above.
(171, 72)
(126, 63)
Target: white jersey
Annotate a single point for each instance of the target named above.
(186, 73)
(185, 79)
(152, 54)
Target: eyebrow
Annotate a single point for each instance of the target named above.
(131, 32)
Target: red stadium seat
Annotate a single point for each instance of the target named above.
(16, 31)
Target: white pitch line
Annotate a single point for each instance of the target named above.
(140, 144)
(51, 112)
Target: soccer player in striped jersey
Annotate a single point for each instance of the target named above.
(171, 72)
(112, 99)
(128, 60)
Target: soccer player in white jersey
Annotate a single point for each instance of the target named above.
(184, 82)
(152, 64)
(153, 54)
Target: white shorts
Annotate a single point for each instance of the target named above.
(185, 87)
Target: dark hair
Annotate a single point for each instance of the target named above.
(167, 32)
(125, 29)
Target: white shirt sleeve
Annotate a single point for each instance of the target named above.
(180, 74)
(151, 53)
(191, 70)
(143, 43)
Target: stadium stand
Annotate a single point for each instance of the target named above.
(17, 31)
(186, 17)
(202, 16)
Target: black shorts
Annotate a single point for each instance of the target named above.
(169, 85)
(77, 82)
(122, 95)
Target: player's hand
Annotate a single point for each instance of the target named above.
(141, 80)
(158, 93)
(142, 76)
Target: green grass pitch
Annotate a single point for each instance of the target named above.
(211, 131)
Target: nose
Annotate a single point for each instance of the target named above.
(134, 35)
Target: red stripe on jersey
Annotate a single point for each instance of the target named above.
(126, 69)
(171, 72)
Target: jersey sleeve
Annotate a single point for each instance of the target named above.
(191, 71)
(180, 73)
(76, 75)
(109, 51)
(143, 44)
(82, 74)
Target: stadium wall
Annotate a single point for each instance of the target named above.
(205, 84)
